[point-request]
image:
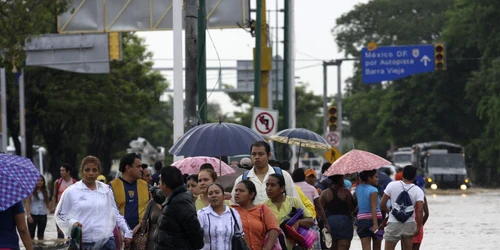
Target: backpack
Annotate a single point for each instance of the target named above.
(276, 170)
(403, 208)
(58, 185)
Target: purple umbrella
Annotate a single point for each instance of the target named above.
(18, 177)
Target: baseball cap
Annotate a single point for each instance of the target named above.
(310, 172)
(101, 178)
(246, 162)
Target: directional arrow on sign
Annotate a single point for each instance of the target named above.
(425, 59)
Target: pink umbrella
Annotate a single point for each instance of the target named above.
(356, 161)
(191, 165)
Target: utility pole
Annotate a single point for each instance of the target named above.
(191, 74)
(286, 65)
(338, 63)
(22, 123)
(202, 63)
(3, 90)
(262, 57)
(325, 99)
(178, 88)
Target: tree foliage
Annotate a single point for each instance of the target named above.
(21, 20)
(458, 105)
(82, 114)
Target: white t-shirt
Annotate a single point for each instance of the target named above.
(393, 190)
(261, 185)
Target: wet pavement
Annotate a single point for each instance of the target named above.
(458, 220)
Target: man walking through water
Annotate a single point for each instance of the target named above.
(130, 191)
(260, 153)
(178, 225)
(59, 186)
(401, 224)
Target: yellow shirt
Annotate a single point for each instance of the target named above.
(307, 202)
(285, 209)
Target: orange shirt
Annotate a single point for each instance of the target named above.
(254, 227)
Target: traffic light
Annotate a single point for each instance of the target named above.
(332, 118)
(439, 57)
(114, 46)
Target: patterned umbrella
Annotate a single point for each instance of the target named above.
(301, 137)
(18, 177)
(191, 165)
(356, 161)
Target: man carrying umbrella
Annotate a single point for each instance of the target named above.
(260, 152)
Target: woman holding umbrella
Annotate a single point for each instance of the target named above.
(369, 215)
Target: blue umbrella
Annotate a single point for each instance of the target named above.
(215, 140)
(18, 177)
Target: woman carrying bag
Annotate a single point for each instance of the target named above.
(282, 205)
(259, 223)
(221, 224)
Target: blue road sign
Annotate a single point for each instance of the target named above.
(395, 62)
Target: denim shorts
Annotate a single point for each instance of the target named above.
(341, 227)
(109, 245)
(364, 228)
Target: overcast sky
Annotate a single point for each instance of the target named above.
(314, 20)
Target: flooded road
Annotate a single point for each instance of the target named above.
(458, 220)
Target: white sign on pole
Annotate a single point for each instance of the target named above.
(265, 121)
(333, 138)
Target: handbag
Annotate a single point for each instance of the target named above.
(140, 238)
(277, 245)
(304, 237)
(238, 240)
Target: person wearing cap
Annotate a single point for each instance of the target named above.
(101, 178)
(246, 163)
(311, 179)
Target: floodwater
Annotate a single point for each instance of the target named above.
(458, 220)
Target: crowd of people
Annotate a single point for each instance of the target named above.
(269, 207)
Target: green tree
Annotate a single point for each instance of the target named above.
(473, 35)
(307, 110)
(410, 110)
(80, 114)
(308, 114)
(21, 20)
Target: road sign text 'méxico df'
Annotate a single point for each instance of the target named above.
(395, 62)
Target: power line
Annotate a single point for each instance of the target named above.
(236, 59)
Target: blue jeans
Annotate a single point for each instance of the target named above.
(109, 245)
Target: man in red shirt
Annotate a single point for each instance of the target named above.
(59, 186)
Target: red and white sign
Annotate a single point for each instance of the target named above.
(333, 138)
(265, 121)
